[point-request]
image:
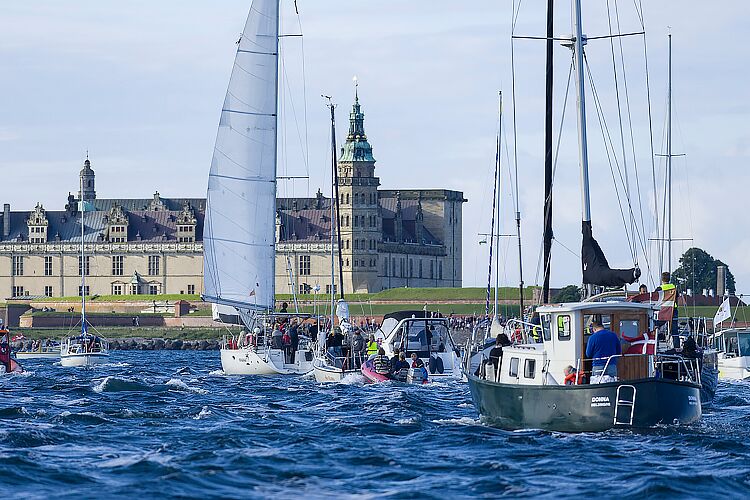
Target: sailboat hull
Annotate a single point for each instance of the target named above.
(324, 372)
(79, 360)
(271, 362)
(584, 408)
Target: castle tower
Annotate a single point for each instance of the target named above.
(86, 187)
(360, 221)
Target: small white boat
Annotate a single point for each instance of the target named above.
(84, 350)
(329, 368)
(46, 352)
(733, 345)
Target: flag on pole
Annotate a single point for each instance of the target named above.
(723, 313)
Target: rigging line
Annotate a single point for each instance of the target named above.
(555, 240)
(304, 96)
(516, 12)
(651, 140)
(607, 144)
(622, 130)
(296, 121)
(632, 136)
(639, 11)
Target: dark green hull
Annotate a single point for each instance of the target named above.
(584, 408)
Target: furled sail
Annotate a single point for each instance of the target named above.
(596, 270)
(239, 234)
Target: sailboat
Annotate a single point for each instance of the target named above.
(240, 229)
(83, 349)
(548, 382)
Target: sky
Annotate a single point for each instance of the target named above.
(139, 85)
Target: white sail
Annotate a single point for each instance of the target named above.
(239, 233)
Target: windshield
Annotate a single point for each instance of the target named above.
(423, 335)
(744, 343)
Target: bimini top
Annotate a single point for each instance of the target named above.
(401, 315)
(614, 305)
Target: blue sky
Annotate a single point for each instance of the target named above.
(140, 85)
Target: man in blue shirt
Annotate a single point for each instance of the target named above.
(601, 345)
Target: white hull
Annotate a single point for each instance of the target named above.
(38, 355)
(327, 373)
(90, 359)
(736, 368)
(246, 361)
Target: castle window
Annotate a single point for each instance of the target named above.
(420, 268)
(84, 266)
(347, 221)
(18, 291)
(347, 198)
(48, 291)
(153, 265)
(118, 264)
(83, 291)
(18, 265)
(116, 288)
(440, 270)
(153, 289)
(304, 265)
(191, 290)
(432, 270)
(347, 263)
(356, 244)
(48, 265)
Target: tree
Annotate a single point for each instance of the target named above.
(570, 293)
(697, 272)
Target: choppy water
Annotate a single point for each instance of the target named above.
(167, 424)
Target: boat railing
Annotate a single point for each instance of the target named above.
(657, 366)
(523, 332)
(350, 361)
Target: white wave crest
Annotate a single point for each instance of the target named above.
(216, 373)
(204, 413)
(458, 421)
(180, 385)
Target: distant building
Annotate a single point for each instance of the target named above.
(154, 246)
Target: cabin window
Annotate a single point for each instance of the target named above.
(546, 327)
(529, 367)
(743, 339)
(513, 372)
(630, 328)
(563, 327)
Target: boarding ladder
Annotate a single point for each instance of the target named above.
(625, 405)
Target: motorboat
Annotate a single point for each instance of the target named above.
(425, 333)
(44, 350)
(407, 375)
(733, 346)
(7, 363)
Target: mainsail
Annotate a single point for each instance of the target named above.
(239, 234)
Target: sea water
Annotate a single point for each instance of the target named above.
(169, 424)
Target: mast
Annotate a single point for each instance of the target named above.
(83, 266)
(495, 215)
(334, 195)
(548, 155)
(583, 157)
(275, 150)
(669, 159)
(335, 178)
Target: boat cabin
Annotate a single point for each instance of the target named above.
(541, 355)
(733, 342)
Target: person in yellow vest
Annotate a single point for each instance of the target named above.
(665, 286)
(372, 346)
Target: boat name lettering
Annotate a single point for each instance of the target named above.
(597, 401)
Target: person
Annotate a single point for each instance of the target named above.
(416, 361)
(286, 340)
(284, 307)
(601, 346)
(496, 353)
(572, 377)
(276, 338)
(429, 338)
(642, 288)
(690, 348)
(358, 347)
(394, 359)
(536, 330)
(666, 286)
(372, 346)
(293, 339)
(380, 362)
(400, 367)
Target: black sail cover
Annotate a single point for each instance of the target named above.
(596, 270)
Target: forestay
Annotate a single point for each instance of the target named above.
(239, 234)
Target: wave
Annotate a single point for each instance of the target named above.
(179, 385)
(117, 384)
(204, 413)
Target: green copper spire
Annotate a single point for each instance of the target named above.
(356, 147)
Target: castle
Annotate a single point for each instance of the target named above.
(389, 238)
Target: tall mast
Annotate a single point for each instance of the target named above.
(495, 236)
(275, 146)
(336, 192)
(583, 158)
(497, 201)
(669, 160)
(83, 264)
(334, 206)
(548, 155)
